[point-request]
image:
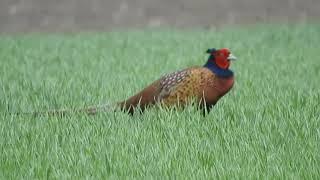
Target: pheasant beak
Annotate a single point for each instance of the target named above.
(231, 57)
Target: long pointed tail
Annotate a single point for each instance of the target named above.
(63, 112)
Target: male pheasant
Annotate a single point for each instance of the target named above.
(205, 84)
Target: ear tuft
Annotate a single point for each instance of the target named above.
(210, 51)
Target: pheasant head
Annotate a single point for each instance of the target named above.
(219, 61)
(221, 57)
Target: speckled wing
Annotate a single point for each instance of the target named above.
(179, 87)
(169, 82)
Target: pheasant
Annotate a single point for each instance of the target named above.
(206, 85)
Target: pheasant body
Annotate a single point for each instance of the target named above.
(206, 85)
(199, 83)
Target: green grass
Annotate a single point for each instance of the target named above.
(268, 126)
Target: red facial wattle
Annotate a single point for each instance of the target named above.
(222, 62)
(221, 58)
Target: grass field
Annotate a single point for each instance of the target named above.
(268, 126)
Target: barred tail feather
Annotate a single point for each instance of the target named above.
(63, 112)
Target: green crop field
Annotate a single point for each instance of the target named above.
(268, 126)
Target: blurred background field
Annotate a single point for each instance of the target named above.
(100, 15)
